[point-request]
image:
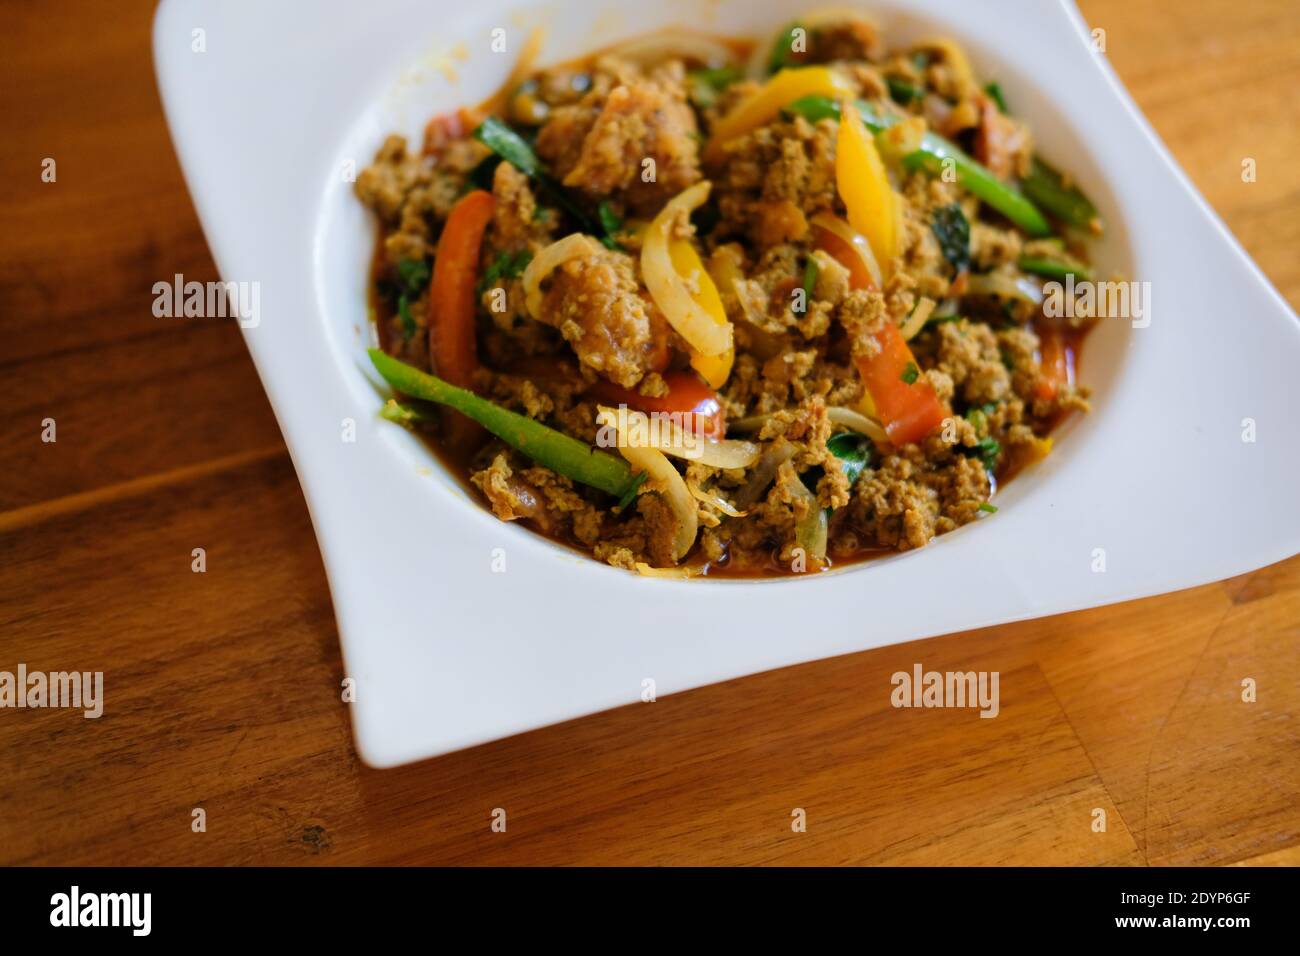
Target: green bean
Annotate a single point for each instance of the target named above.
(546, 446)
(1047, 187)
(1054, 268)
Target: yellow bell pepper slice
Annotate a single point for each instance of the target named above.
(714, 369)
(873, 209)
(764, 104)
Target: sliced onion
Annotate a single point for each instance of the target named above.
(670, 291)
(637, 429)
(661, 473)
(727, 453)
(850, 418)
(916, 321)
(776, 455)
(714, 500)
(647, 51)
(854, 240)
(726, 275)
(810, 531)
(1005, 286)
(575, 246)
(676, 574)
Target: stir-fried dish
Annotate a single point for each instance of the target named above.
(705, 307)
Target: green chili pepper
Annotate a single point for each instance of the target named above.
(555, 450)
(1047, 187)
(934, 154)
(1054, 268)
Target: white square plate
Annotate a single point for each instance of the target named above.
(446, 652)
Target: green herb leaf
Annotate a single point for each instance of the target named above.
(611, 222)
(854, 452)
(408, 320)
(481, 176)
(705, 85)
(783, 50)
(514, 149)
(988, 508)
(995, 94)
(509, 145)
(903, 92)
(951, 228)
(505, 265)
(989, 450)
(910, 373)
(414, 274)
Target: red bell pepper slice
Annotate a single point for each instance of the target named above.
(687, 396)
(905, 401)
(453, 351)
(909, 410)
(453, 348)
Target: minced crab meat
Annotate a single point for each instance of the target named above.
(618, 140)
(596, 303)
(607, 143)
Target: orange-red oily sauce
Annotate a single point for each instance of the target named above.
(459, 462)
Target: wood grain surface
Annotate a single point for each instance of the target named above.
(223, 688)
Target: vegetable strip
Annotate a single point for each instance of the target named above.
(546, 446)
(1048, 188)
(452, 346)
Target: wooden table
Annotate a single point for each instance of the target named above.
(223, 688)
